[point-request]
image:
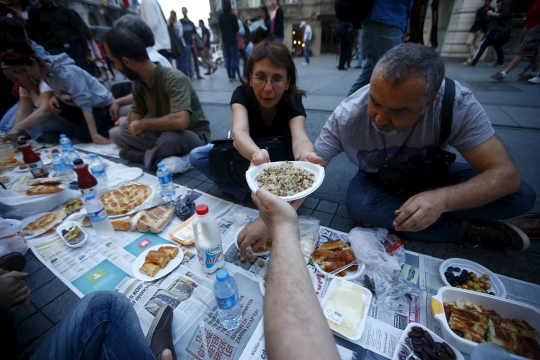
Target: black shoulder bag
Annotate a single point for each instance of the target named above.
(228, 164)
(424, 170)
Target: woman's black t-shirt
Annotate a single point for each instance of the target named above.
(280, 125)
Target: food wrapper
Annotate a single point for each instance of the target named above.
(309, 232)
(155, 219)
(122, 224)
(183, 233)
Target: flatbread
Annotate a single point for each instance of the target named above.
(47, 181)
(124, 199)
(43, 190)
(44, 223)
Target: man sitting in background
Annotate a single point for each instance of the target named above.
(120, 107)
(177, 123)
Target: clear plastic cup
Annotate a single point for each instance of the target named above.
(6, 152)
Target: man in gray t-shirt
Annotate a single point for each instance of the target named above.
(397, 118)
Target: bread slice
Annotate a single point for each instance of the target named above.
(43, 190)
(149, 269)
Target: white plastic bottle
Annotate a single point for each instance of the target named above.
(165, 180)
(59, 166)
(226, 294)
(98, 216)
(98, 170)
(65, 141)
(74, 155)
(66, 157)
(208, 243)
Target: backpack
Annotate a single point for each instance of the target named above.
(177, 48)
(353, 11)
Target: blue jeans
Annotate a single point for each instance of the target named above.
(306, 50)
(369, 203)
(103, 325)
(199, 159)
(377, 39)
(230, 51)
(185, 60)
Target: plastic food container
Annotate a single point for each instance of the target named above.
(366, 297)
(6, 151)
(317, 170)
(435, 337)
(82, 237)
(504, 307)
(497, 287)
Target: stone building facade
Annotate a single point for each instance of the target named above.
(98, 12)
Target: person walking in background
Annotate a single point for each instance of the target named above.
(188, 29)
(228, 25)
(499, 31)
(262, 32)
(152, 14)
(345, 32)
(360, 54)
(478, 29)
(205, 53)
(277, 22)
(55, 28)
(384, 28)
(177, 25)
(308, 35)
(240, 38)
(529, 45)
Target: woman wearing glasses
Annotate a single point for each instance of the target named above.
(268, 104)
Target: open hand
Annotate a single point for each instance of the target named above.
(419, 212)
(311, 157)
(113, 110)
(253, 234)
(260, 157)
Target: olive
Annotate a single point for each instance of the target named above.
(491, 293)
(452, 283)
(458, 286)
(485, 276)
(450, 269)
(482, 280)
(488, 286)
(470, 283)
(476, 287)
(476, 280)
(457, 269)
(483, 291)
(447, 274)
(464, 287)
(464, 272)
(473, 275)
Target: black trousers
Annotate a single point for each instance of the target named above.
(345, 54)
(75, 116)
(489, 40)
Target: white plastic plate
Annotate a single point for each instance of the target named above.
(497, 286)
(317, 170)
(253, 252)
(435, 337)
(124, 174)
(173, 264)
(366, 297)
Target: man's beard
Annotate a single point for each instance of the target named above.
(130, 74)
(389, 130)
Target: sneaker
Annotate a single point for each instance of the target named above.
(496, 64)
(498, 76)
(131, 154)
(495, 234)
(200, 78)
(469, 63)
(159, 336)
(215, 69)
(535, 80)
(524, 77)
(207, 73)
(305, 63)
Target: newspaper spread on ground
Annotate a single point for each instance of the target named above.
(106, 264)
(111, 150)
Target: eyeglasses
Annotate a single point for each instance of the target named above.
(275, 81)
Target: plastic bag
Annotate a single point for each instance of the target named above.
(10, 241)
(17, 206)
(309, 232)
(177, 164)
(155, 219)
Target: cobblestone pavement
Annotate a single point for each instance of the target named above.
(512, 107)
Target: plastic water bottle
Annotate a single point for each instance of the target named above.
(74, 155)
(98, 216)
(59, 165)
(65, 141)
(208, 243)
(97, 168)
(165, 180)
(226, 294)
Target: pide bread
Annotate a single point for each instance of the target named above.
(44, 223)
(47, 181)
(124, 199)
(43, 190)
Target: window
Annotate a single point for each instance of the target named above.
(254, 3)
(291, 1)
(217, 5)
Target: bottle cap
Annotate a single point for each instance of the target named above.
(62, 135)
(202, 209)
(55, 155)
(77, 162)
(93, 156)
(222, 275)
(90, 197)
(21, 142)
(160, 165)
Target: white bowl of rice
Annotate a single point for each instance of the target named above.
(290, 180)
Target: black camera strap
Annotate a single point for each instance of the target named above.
(447, 110)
